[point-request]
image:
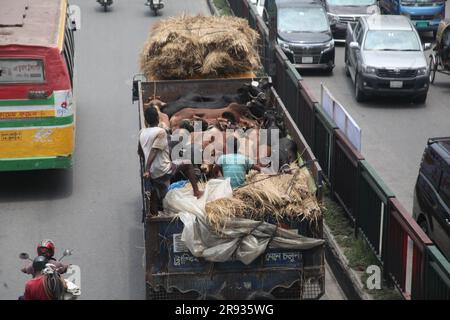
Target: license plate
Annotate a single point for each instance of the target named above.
(421, 24)
(307, 59)
(396, 84)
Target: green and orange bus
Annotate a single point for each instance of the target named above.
(37, 108)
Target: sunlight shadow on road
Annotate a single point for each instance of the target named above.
(35, 185)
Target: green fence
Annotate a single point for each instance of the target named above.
(373, 208)
(437, 276)
(377, 215)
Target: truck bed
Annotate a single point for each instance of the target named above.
(172, 272)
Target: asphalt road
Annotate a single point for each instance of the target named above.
(394, 131)
(95, 208)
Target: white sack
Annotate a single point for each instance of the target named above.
(241, 239)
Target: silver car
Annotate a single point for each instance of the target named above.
(384, 56)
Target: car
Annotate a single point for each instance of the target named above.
(431, 207)
(384, 56)
(259, 4)
(303, 32)
(341, 12)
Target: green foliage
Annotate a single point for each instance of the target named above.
(356, 250)
(223, 7)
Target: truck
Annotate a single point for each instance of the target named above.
(172, 272)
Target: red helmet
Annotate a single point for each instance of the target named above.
(46, 248)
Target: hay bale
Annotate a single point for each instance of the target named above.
(187, 47)
(280, 197)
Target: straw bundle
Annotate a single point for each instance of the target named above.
(282, 196)
(185, 47)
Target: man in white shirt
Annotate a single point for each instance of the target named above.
(158, 166)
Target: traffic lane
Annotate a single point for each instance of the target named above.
(99, 216)
(394, 130)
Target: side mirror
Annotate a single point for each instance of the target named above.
(67, 252)
(24, 256)
(135, 88)
(427, 46)
(354, 45)
(74, 12)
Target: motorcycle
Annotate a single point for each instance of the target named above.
(105, 4)
(72, 276)
(155, 5)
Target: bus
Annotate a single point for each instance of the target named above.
(37, 108)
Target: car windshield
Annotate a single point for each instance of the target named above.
(302, 20)
(351, 3)
(388, 40)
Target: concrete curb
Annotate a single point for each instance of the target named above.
(348, 279)
(213, 8)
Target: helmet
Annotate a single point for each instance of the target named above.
(46, 248)
(39, 263)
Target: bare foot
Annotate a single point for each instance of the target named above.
(198, 194)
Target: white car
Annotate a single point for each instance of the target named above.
(259, 4)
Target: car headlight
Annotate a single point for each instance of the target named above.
(422, 71)
(439, 16)
(368, 69)
(329, 45)
(284, 45)
(332, 18)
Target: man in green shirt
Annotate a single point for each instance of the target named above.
(234, 165)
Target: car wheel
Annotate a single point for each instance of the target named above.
(359, 94)
(421, 99)
(329, 71)
(424, 225)
(433, 68)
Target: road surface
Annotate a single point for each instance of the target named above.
(95, 208)
(97, 211)
(394, 131)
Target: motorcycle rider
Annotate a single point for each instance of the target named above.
(46, 284)
(46, 248)
(35, 288)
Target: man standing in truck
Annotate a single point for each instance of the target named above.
(159, 168)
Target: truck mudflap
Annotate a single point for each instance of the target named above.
(174, 273)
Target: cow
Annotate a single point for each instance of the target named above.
(158, 104)
(233, 111)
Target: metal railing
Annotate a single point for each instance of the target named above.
(407, 255)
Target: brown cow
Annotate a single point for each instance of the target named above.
(158, 104)
(211, 115)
